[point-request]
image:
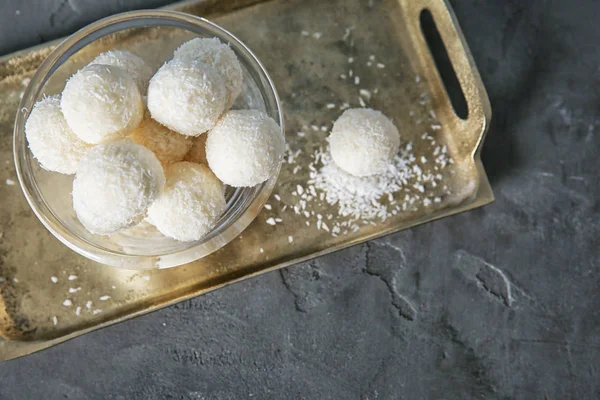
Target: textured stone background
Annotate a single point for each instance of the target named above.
(499, 303)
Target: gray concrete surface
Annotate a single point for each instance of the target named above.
(506, 298)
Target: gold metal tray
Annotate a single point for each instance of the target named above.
(305, 45)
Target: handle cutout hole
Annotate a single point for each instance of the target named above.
(444, 66)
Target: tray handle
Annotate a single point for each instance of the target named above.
(468, 133)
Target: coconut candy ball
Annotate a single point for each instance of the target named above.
(190, 204)
(244, 148)
(187, 97)
(114, 186)
(218, 55)
(131, 63)
(363, 141)
(167, 145)
(197, 153)
(102, 103)
(50, 139)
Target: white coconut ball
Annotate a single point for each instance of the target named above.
(187, 97)
(132, 63)
(102, 103)
(363, 141)
(114, 186)
(191, 203)
(168, 146)
(219, 56)
(197, 153)
(51, 141)
(245, 148)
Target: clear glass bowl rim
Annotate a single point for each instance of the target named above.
(72, 44)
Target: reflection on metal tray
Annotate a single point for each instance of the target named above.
(309, 47)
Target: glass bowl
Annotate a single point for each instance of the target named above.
(153, 35)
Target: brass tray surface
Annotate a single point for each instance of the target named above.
(305, 45)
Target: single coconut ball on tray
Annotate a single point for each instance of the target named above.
(197, 153)
(115, 184)
(132, 63)
(363, 141)
(245, 148)
(168, 146)
(52, 142)
(102, 103)
(218, 55)
(190, 204)
(187, 97)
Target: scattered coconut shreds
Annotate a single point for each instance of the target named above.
(344, 106)
(89, 304)
(15, 280)
(304, 33)
(301, 134)
(104, 298)
(369, 63)
(54, 320)
(96, 312)
(357, 80)
(343, 76)
(268, 206)
(370, 198)
(372, 57)
(67, 303)
(365, 93)
(72, 277)
(261, 250)
(380, 65)
(2, 279)
(10, 182)
(270, 221)
(113, 287)
(277, 197)
(78, 311)
(361, 102)
(350, 60)
(74, 290)
(317, 35)
(54, 279)
(330, 106)
(290, 239)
